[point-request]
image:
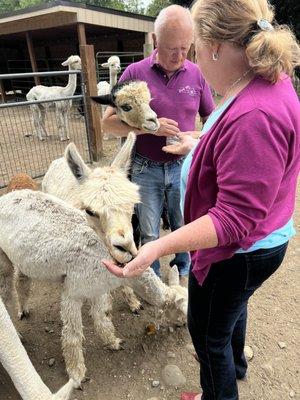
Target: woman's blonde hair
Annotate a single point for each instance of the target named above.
(269, 52)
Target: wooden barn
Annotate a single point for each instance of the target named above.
(40, 38)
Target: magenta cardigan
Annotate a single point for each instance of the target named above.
(244, 170)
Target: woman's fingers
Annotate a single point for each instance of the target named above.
(113, 268)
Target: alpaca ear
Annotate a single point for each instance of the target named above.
(123, 158)
(105, 99)
(76, 164)
(105, 65)
(174, 276)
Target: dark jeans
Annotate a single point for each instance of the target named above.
(217, 317)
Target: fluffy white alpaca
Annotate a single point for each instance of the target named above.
(62, 107)
(48, 239)
(15, 360)
(70, 179)
(103, 87)
(105, 193)
(131, 99)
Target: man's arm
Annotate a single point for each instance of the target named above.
(112, 124)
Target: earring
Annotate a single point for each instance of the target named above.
(215, 56)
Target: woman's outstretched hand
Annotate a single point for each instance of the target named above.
(147, 254)
(185, 144)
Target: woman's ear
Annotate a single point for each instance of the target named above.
(215, 47)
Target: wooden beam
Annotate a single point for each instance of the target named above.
(32, 57)
(87, 55)
(191, 54)
(81, 34)
(148, 45)
(2, 91)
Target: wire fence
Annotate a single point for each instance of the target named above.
(20, 148)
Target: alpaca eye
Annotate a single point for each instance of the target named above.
(90, 213)
(126, 107)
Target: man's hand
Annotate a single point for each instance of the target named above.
(168, 127)
(147, 254)
(185, 144)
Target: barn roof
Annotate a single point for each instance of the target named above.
(60, 13)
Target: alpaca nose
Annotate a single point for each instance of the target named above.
(152, 119)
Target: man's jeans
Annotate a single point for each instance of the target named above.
(158, 181)
(217, 317)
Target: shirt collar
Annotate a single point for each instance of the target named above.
(155, 64)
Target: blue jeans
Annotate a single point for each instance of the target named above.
(217, 317)
(158, 181)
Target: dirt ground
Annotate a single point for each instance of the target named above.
(273, 334)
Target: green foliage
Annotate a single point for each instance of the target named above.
(156, 5)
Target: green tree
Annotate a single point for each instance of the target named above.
(156, 5)
(11, 5)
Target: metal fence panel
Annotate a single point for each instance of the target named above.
(20, 148)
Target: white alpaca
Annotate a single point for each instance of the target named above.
(62, 107)
(15, 360)
(103, 87)
(105, 193)
(48, 239)
(131, 99)
(70, 179)
(114, 66)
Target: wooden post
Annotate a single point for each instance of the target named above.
(32, 57)
(191, 53)
(2, 91)
(93, 112)
(148, 45)
(81, 34)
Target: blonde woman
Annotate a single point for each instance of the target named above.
(238, 182)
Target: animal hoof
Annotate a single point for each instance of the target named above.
(64, 139)
(23, 314)
(118, 345)
(28, 134)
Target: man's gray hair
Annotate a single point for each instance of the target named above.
(166, 14)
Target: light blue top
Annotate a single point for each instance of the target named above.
(277, 237)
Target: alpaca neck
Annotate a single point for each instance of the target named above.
(16, 362)
(112, 79)
(69, 90)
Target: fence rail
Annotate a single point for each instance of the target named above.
(20, 148)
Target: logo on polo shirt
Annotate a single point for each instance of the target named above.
(188, 90)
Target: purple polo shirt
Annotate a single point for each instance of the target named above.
(179, 98)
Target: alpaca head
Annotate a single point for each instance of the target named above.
(176, 307)
(108, 198)
(114, 65)
(73, 62)
(132, 102)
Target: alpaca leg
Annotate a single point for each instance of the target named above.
(72, 337)
(131, 299)
(6, 278)
(38, 117)
(100, 311)
(61, 117)
(43, 124)
(22, 286)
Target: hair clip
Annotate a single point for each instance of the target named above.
(265, 25)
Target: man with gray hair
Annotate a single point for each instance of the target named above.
(179, 92)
